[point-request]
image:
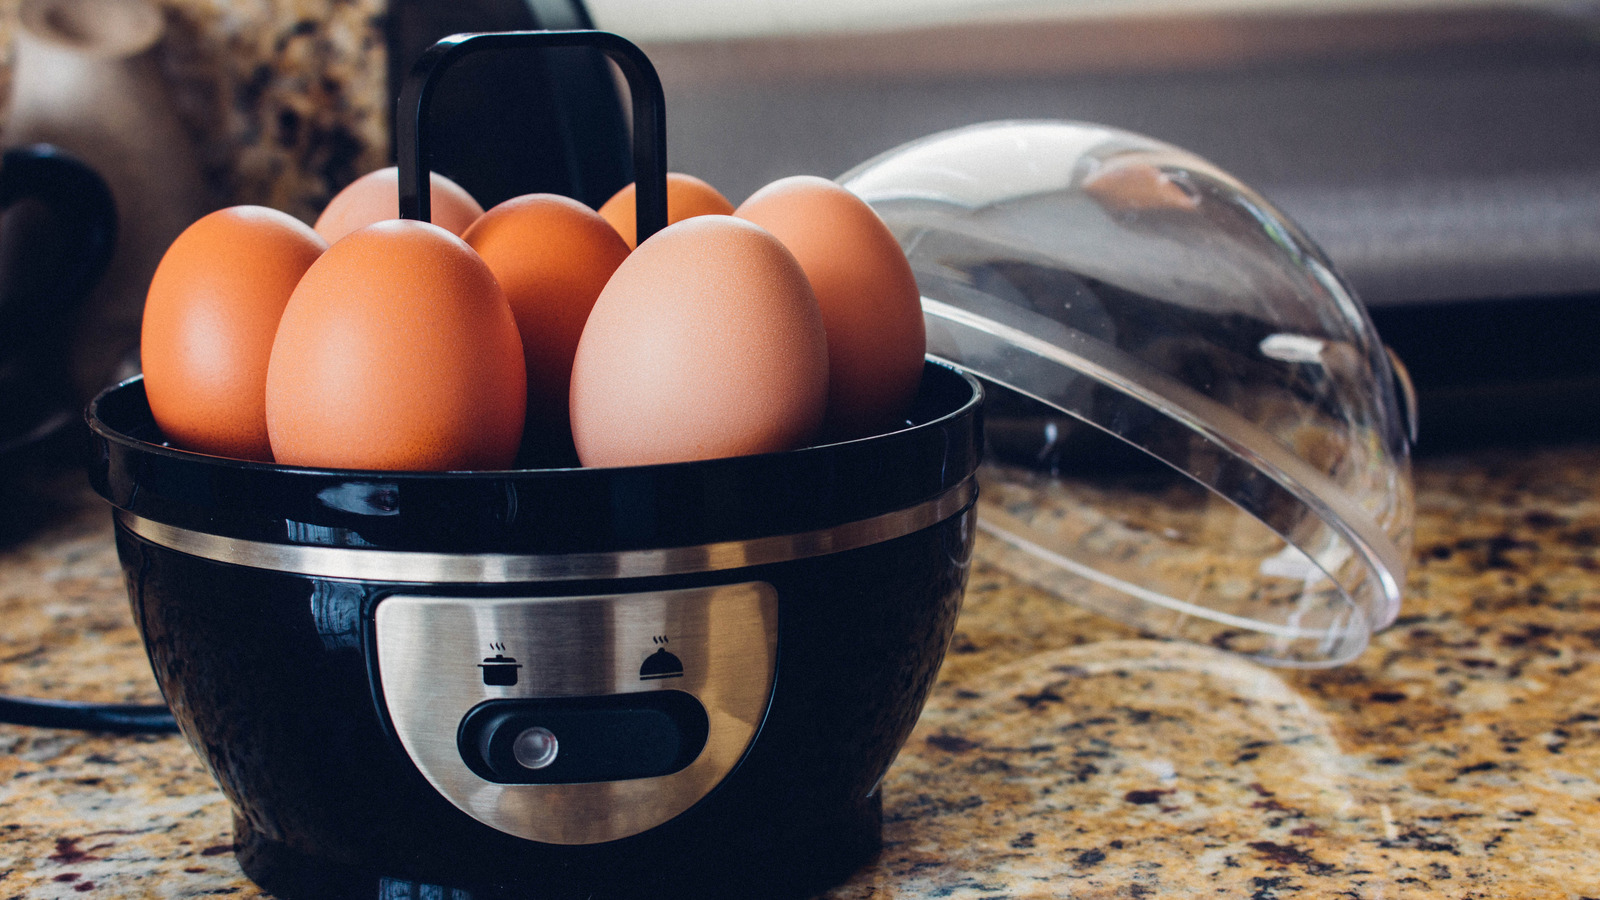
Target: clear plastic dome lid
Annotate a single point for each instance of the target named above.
(1196, 429)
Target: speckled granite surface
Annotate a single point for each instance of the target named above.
(1061, 755)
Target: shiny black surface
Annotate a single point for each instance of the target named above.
(268, 677)
(58, 224)
(272, 676)
(608, 738)
(537, 510)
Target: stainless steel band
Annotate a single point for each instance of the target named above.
(504, 568)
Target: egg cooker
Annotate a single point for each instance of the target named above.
(549, 682)
(690, 679)
(560, 682)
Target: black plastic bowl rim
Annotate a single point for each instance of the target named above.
(540, 511)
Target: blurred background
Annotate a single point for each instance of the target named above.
(1446, 155)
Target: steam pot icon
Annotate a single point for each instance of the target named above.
(499, 669)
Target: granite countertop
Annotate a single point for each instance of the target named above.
(1061, 754)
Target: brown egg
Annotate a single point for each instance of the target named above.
(397, 351)
(1122, 185)
(687, 197)
(706, 343)
(375, 197)
(552, 255)
(870, 303)
(209, 322)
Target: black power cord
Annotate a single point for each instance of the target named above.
(115, 718)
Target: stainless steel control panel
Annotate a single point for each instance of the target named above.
(577, 720)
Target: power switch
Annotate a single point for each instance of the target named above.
(572, 740)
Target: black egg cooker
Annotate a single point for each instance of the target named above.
(659, 680)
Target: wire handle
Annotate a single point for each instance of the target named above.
(644, 86)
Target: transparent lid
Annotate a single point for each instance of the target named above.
(1196, 429)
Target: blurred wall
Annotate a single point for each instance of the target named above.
(284, 98)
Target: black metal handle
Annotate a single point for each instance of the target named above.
(649, 114)
(52, 255)
(58, 228)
